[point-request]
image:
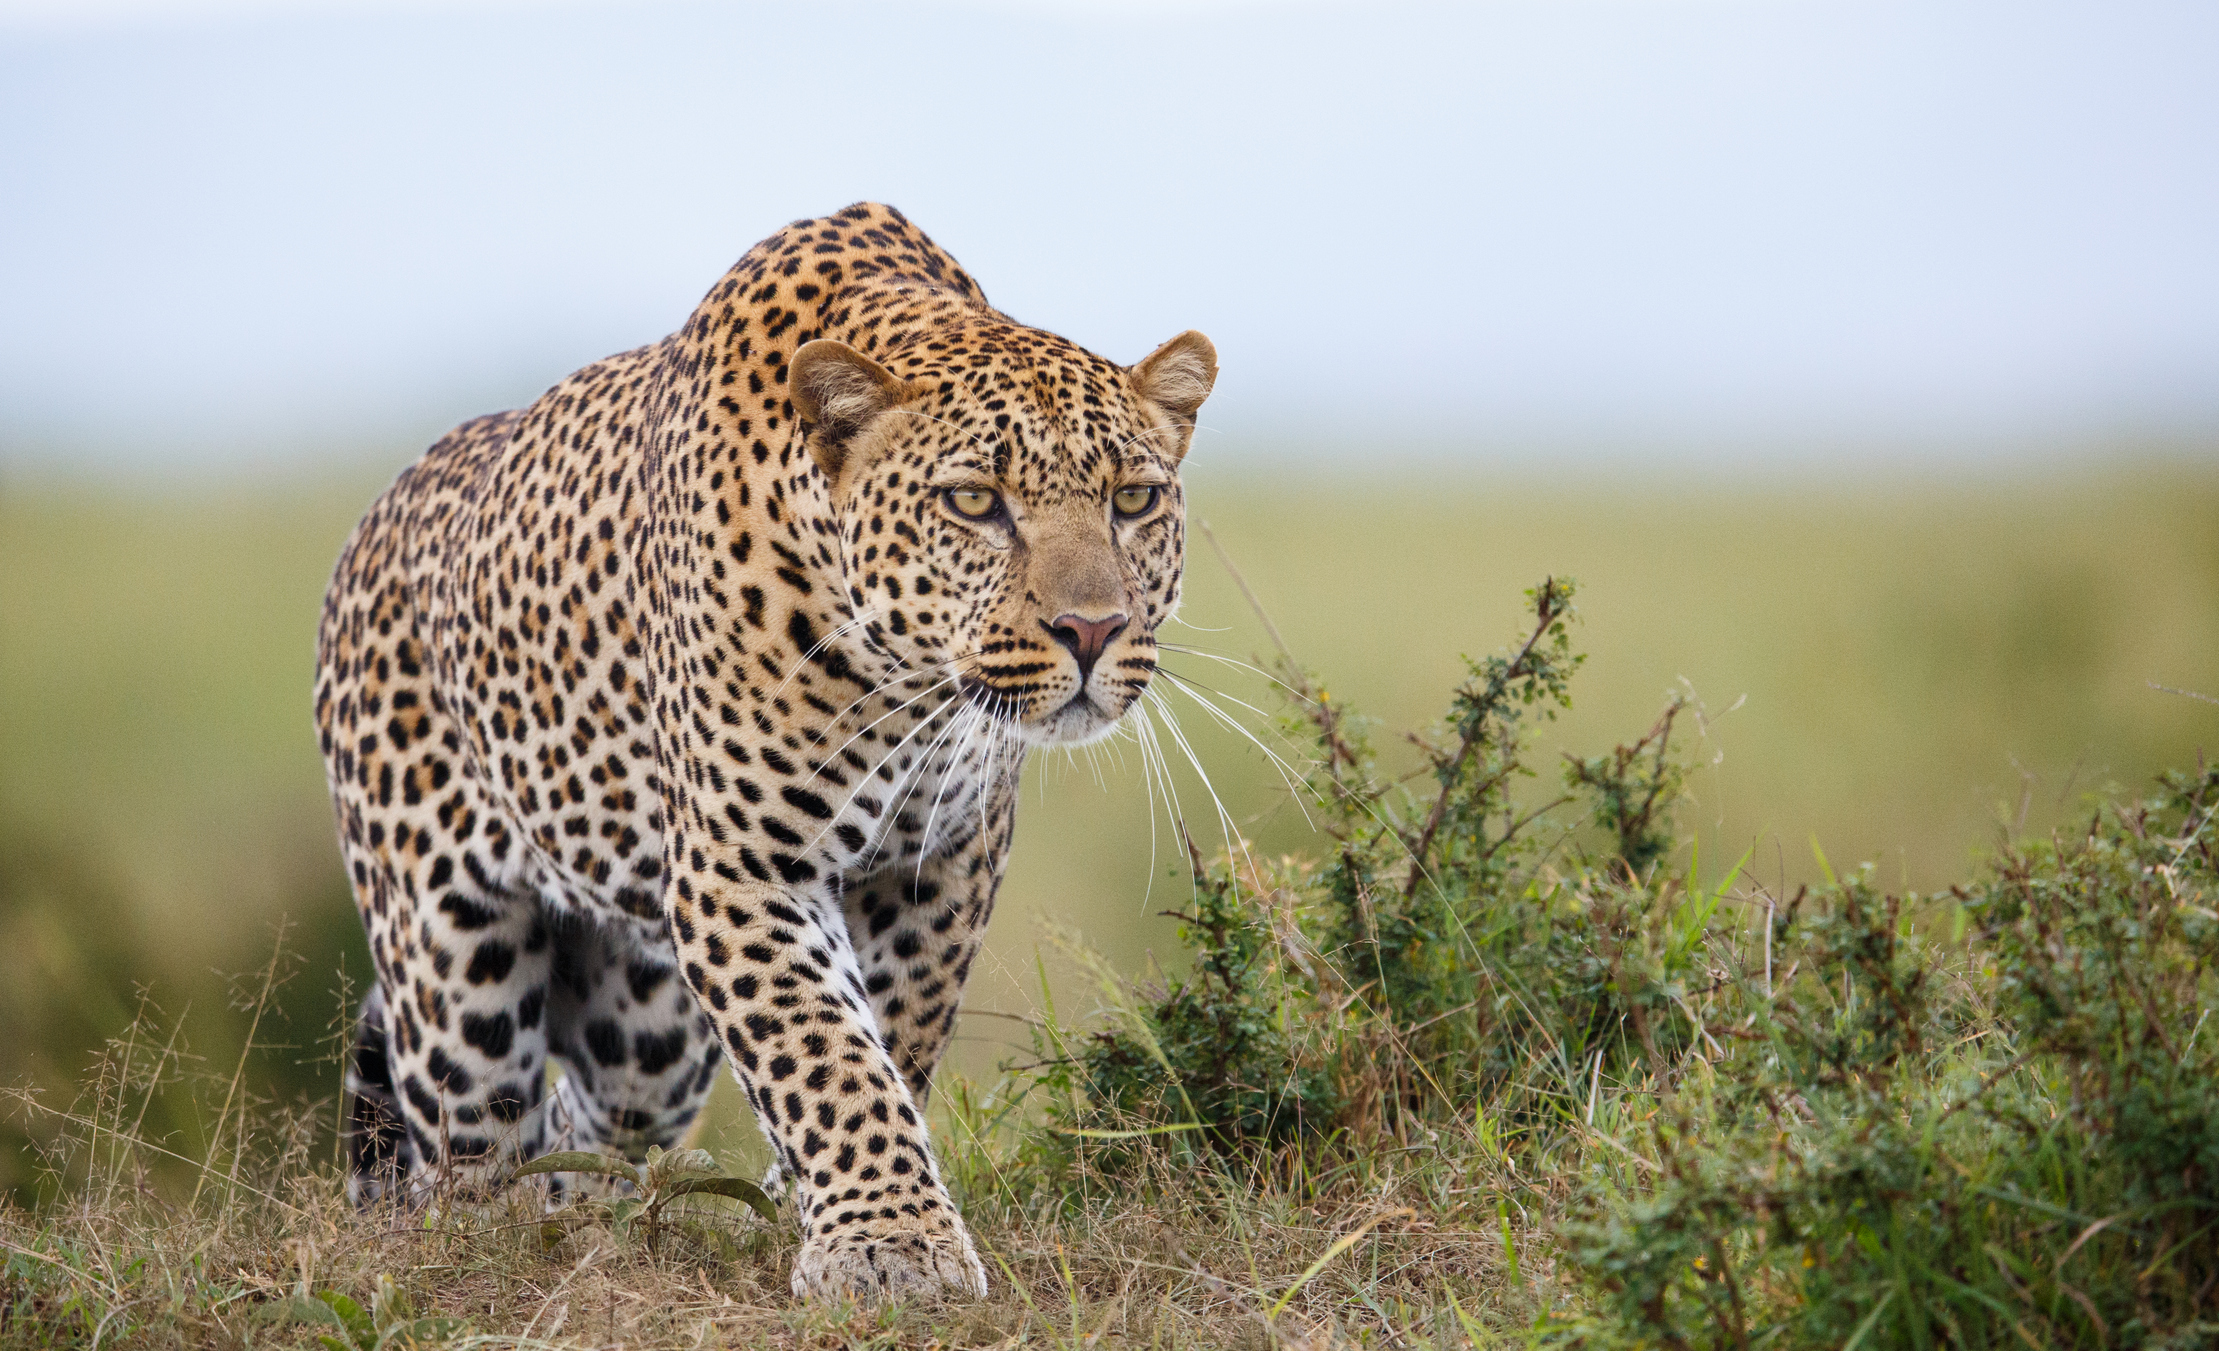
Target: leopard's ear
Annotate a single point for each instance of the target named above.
(838, 391)
(1177, 377)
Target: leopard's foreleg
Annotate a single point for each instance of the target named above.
(777, 972)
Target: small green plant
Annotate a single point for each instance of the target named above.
(389, 1324)
(662, 1177)
(1634, 789)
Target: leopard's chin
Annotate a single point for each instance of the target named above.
(1079, 722)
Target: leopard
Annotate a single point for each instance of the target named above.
(677, 719)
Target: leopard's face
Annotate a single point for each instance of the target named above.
(1011, 519)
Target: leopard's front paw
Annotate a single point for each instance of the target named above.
(870, 1266)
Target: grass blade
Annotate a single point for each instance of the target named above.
(1340, 1245)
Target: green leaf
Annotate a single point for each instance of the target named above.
(553, 1228)
(580, 1161)
(1471, 1325)
(739, 1189)
(664, 1166)
(391, 1305)
(622, 1212)
(1870, 1319)
(1825, 868)
(1509, 1245)
(1339, 1246)
(348, 1314)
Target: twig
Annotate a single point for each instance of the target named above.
(1548, 613)
(1253, 603)
(2161, 689)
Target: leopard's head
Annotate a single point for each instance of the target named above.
(1009, 511)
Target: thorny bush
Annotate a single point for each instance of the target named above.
(1842, 1118)
(1459, 942)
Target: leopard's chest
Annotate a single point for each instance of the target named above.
(921, 785)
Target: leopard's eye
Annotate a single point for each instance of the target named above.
(1135, 500)
(976, 503)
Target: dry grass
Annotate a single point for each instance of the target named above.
(145, 1243)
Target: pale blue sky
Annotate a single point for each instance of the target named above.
(244, 232)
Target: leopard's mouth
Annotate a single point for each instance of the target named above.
(1076, 721)
(1078, 705)
(1080, 720)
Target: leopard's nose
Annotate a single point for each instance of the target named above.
(1085, 637)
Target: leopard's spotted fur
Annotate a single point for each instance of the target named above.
(678, 716)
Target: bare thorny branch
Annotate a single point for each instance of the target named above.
(1550, 603)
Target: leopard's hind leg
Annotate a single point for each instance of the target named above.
(451, 1057)
(637, 1053)
(448, 1076)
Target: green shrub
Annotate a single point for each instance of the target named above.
(1459, 943)
(2004, 1141)
(1844, 1118)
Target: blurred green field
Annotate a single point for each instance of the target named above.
(1895, 666)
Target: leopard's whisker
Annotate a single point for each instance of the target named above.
(905, 787)
(1207, 655)
(1233, 839)
(1148, 781)
(903, 677)
(867, 727)
(974, 437)
(1184, 623)
(1129, 726)
(915, 779)
(1119, 449)
(962, 748)
(862, 618)
(990, 774)
(1174, 811)
(1191, 683)
(1112, 749)
(1293, 781)
(1370, 808)
(891, 752)
(956, 674)
(1095, 766)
